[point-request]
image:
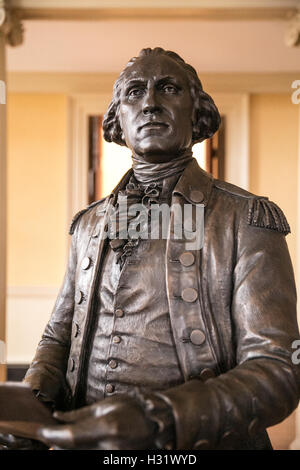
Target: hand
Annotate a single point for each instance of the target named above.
(10, 442)
(116, 423)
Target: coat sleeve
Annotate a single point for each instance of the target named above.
(46, 374)
(263, 388)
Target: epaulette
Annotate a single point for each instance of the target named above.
(80, 213)
(266, 214)
(261, 212)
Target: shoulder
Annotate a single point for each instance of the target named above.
(89, 209)
(260, 211)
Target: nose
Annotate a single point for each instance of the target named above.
(151, 104)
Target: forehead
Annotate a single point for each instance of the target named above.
(155, 67)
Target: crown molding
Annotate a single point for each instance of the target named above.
(87, 4)
(155, 9)
(69, 83)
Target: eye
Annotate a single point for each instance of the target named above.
(170, 89)
(135, 92)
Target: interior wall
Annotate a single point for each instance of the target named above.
(274, 122)
(37, 188)
(274, 155)
(37, 221)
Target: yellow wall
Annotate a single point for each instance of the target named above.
(37, 189)
(274, 123)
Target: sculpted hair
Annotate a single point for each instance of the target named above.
(207, 118)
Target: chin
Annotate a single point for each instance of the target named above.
(157, 155)
(145, 150)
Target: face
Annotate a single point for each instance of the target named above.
(156, 109)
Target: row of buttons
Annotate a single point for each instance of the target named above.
(86, 264)
(190, 295)
(110, 388)
(186, 259)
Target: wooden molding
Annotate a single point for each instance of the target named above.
(69, 83)
(155, 9)
(93, 14)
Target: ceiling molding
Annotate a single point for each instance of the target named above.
(69, 83)
(87, 4)
(207, 14)
(155, 9)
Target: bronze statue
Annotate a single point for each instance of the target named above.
(152, 345)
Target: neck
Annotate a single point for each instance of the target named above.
(147, 172)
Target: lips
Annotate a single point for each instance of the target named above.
(154, 125)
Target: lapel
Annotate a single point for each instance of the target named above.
(183, 278)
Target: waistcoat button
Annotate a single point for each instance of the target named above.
(189, 294)
(86, 263)
(197, 337)
(187, 258)
(109, 388)
(119, 313)
(197, 196)
(79, 297)
(112, 364)
(116, 339)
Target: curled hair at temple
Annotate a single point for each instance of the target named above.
(206, 115)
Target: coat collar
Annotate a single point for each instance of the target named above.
(194, 184)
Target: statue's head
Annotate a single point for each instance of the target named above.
(159, 105)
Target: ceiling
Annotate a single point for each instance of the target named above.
(106, 46)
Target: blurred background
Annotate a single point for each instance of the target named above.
(59, 60)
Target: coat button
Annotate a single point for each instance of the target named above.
(109, 388)
(197, 337)
(196, 196)
(202, 444)
(187, 258)
(113, 364)
(116, 339)
(86, 263)
(71, 364)
(79, 297)
(206, 374)
(119, 313)
(189, 294)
